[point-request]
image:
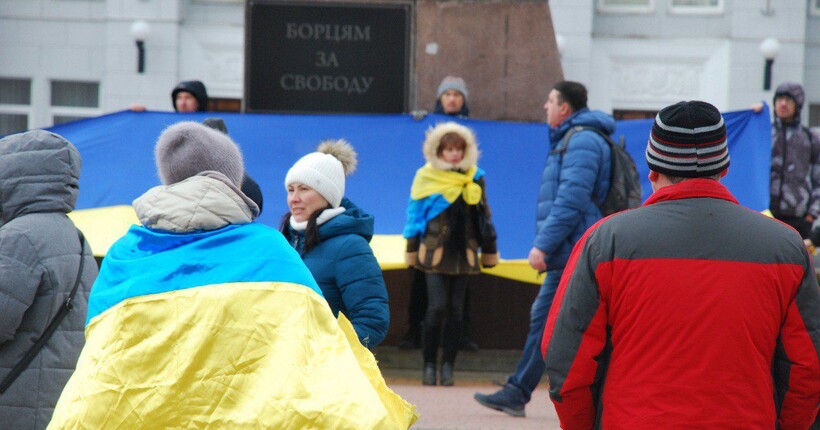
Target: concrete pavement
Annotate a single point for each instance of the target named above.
(453, 408)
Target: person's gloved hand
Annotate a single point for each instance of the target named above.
(411, 258)
(489, 260)
(419, 115)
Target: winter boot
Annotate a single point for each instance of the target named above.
(429, 376)
(447, 374)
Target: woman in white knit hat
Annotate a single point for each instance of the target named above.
(332, 235)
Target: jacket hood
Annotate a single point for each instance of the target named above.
(433, 141)
(196, 88)
(39, 172)
(793, 90)
(352, 221)
(584, 117)
(204, 202)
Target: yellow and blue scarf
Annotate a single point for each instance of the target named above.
(434, 190)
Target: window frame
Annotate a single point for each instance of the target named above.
(614, 9)
(84, 112)
(696, 10)
(20, 109)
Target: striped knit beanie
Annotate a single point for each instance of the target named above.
(688, 139)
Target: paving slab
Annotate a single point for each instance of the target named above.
(453, 408)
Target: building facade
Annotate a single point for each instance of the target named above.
(66, 59)
(640, 55)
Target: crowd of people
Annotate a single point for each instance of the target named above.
(688, 312)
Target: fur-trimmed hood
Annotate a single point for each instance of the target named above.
(433, 140)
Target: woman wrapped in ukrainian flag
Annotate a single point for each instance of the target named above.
(448, 220)
(201, 318)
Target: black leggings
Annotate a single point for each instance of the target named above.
(445, 307)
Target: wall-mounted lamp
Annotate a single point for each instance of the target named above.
(561, 44)
(770, 47)
(140, 31)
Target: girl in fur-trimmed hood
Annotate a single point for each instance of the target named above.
(448, 221)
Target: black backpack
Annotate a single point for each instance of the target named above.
(624, 183)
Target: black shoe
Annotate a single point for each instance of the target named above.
(447, 374)
(429, 376)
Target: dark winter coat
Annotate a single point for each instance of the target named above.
(572, 186)
(688, 312)
(794, 188)
(39, 260)
(449, 242)
(347, 271)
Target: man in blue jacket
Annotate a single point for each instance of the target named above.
(575, 181)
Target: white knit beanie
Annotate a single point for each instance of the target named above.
(188, 148)
(325, 170)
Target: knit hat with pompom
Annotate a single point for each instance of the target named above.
(325, 170)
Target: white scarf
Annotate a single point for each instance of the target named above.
(324, 217)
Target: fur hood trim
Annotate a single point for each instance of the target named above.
(433, 140)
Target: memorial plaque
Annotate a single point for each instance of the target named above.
(326, 57)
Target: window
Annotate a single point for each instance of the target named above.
(73, 100)
(217, 104)
(625, 6)
(621, 114)
(814, 7)
(15, 105)
(814, 115)
(697, 6)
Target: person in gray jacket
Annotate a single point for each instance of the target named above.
(795, 172)
(40, 254)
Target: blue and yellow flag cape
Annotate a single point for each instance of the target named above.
(220, 329)
(434, 190)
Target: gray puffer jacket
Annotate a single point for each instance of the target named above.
(794, 188)
(39, 260)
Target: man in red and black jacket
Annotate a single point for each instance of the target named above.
(688, 312)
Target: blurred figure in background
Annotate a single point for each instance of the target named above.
(187, 96)
(795, 173)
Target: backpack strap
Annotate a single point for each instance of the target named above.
(562, 147)
(50, 329)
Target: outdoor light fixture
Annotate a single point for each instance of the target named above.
(561, 44)
(140, 31)
(770, 47)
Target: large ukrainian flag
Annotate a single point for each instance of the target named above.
(219, 329)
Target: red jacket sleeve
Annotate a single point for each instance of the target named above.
(574, 338)
(796, 362)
